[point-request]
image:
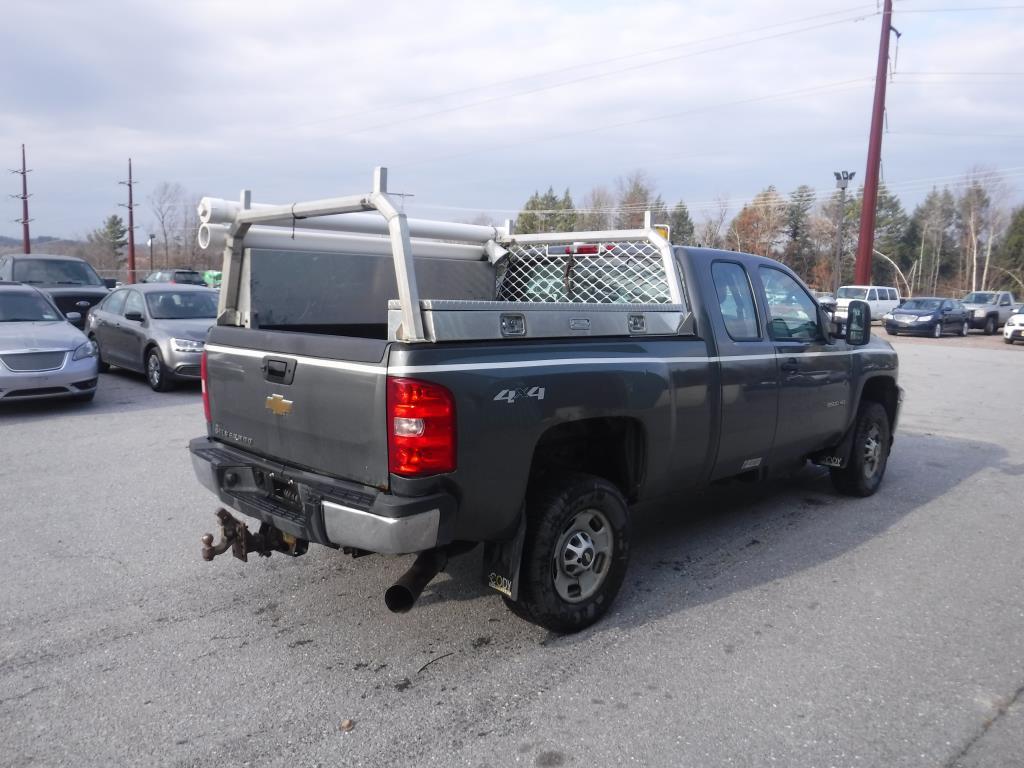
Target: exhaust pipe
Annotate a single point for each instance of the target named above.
(406, 591)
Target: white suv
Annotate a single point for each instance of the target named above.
(881, 299)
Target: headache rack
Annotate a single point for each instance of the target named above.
(334, 262)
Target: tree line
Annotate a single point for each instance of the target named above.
(961, 237)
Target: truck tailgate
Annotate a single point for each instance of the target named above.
(308, 400)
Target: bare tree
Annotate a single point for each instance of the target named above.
(709, 234)
(596, 212)
(165, 201)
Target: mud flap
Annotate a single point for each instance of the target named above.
(838, 455)
(502, 560)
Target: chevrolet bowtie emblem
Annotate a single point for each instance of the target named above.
(278, 406)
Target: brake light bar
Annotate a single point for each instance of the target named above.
(589, 248)
(421, 428)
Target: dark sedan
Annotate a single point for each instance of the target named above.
(931, 316)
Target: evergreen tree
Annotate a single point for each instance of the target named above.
(680, 225)
(110, 238)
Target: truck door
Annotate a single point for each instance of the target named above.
(748, 373)
(814, 375)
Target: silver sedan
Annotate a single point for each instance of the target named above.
(154, 328)
(42, 355)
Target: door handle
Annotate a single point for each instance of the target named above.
(790, 365)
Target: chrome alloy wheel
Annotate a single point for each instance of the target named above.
(872, 451)
(582, 556)
(153, 369)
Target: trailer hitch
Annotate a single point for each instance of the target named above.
(236, 536)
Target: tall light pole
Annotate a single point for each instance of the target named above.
(150, 244)
(843, 179)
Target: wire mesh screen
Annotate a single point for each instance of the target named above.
(628, 272)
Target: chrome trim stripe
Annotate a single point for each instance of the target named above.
(338, 365)
(405, 370)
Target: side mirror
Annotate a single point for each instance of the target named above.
(133, 315)
(74, 317)
(858, 323)
(110, 282)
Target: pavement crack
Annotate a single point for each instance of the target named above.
(26, 694)
(1001, 710)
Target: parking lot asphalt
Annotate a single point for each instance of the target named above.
(777, 624)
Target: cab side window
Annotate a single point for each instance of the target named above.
(872, 295)
(114, 303)
(736, 301)
(792, 313)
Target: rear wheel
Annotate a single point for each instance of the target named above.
(575, 553)
(990, 325)
(157, 375)
(869, 454)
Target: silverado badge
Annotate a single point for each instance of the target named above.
(278, 406)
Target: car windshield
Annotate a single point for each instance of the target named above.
(852, 293)
(55, 272)
(979, 297)
(25, 307)
(192, 278)
(921, 304)
(182, 305)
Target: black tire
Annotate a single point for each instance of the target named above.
(553, 525)
(157, 375)
(937, 330)
(964, 328)
(869, 454)
(102, 366)
(990, 325)
(1007, 340)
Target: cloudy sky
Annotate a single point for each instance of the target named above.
(473, 105)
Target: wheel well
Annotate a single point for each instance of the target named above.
(882, 390)
(145, 352)
(613, 448)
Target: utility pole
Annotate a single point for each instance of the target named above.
(131, 223)
(866, 242)
(24, 220)
(843, 179)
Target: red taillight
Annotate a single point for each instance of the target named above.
(206, 391)
(421, 428)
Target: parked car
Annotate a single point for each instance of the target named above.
(526, 426)
(1014, 328)
(826, 300)
(154, 328)
(928, 315)
(183, 276)
(989, 309)
(42, 354)
(881, 299)
(71, 282)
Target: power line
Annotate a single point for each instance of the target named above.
(605, 61)
(839, 85)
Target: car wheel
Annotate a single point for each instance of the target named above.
(869, 454)
(965, 328)
(937, 330)
(990, 325)
(100, 364)
(1007, 339)
(575, 553)
(157, 375)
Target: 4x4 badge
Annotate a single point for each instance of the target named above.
(278, 406)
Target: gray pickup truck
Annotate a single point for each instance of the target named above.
(989, 310)
(550, 387)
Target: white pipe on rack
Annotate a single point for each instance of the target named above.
(283, 239)
(213, 210)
